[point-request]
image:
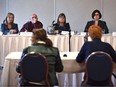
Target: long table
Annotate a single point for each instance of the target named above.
(70, 77)
(66, 78)
(10, 43)
(16, 43)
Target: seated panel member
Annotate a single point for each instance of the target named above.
(96, 15)
(33, 24)
(8, 26)
(61, 24)
(43, 45)
(96, 44)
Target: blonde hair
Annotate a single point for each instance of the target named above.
(95, 31)
(9, 14)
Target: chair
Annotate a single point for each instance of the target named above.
(34, 70)
(99, 69)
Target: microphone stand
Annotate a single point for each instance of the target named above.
(86, 37)
(69, 40)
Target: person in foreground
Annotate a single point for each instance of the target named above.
(96, 15)
(96, 44)
(32, 24)
(8, 26)
(45, 46)
(61, 24)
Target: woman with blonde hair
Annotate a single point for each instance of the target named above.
(42, 44)
(95, 32)
(8, 26)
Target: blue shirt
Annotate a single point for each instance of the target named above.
(5, 30)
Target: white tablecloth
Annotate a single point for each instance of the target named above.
(70, 77)
(17, 43)
(10, 76)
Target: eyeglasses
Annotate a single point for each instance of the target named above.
(96, 15)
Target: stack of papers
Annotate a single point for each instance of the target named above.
(26, 33)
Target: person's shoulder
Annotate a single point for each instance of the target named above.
(91, 21)
(67, 23)
(2, 24)
(39, 22)
(26, 49)
(88, 43)
(53, 48)
(102, 21)
(28, 22)
(15, 24)
(106, 43)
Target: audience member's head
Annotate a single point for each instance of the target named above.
(34, 18)
(96, 15)
(9, 18)
(41, 35)
(95, 32)
(61, 18)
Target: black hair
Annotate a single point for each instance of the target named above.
(96, 11)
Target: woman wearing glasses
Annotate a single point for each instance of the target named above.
(96, 15)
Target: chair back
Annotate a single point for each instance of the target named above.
(98, 69)
(34, 68)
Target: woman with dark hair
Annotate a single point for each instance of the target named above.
(43, 45)
(8, 26)
(96, 15)
(61, 24)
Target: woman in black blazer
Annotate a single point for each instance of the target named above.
(96, 15)
(61, 24)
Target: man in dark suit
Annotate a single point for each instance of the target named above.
(96, 15)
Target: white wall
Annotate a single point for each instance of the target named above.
(78, 12)
(23, 9)
(109, 14)
(2, 10)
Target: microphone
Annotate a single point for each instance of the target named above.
(86, 37)
(53, 22)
